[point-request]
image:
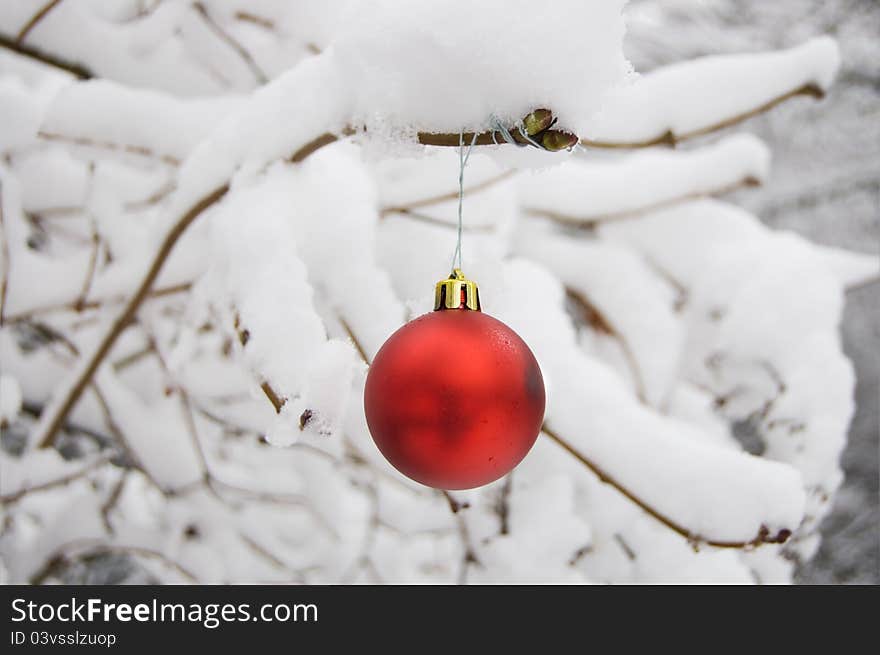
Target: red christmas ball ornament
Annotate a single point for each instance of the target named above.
(454, 399)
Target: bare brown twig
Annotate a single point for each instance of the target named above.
(132, 457)
(682, 295)
(35, 409)
(354, 340)
(55, 212)
(430, 220)
(38, 221)
(469, 555)
(92, 268)
(112, 500)
(487, 138)
(454, 505)
(78, 305)
(625, 547)
(227, 38)
(254, 19)
(127, 148)
(276, 399)
(446, 197)
(154, 198)
(35, 19)
(271, 557)
(132, 358)
(75, 69)
(95, 464)
(502, 507)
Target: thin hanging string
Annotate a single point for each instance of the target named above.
(497, 128)
(462, 162)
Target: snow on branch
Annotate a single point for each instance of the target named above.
(57, 411)
(144, 121)
(80, 304)
(694, 98)
(763, 536)
(720, 495)
(584, 192)
(616, 289)
(741, 357)
(53, 472)
(66, 39)
(853, 269)
(508, 75)
(222, 34)
(155, 434)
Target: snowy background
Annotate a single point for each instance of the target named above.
(209, 427)
(825, 184)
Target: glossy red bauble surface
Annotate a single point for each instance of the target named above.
(454, 399)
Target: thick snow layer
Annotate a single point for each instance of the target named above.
(691, 96)
(270, 298)
(490, 57)
(852, 269)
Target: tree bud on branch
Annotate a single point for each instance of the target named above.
(554, 140)
(538, 121)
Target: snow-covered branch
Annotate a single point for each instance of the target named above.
(586, 193)
(55, 414)
(694, 98)
(696, 540)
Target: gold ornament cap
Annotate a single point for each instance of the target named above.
(456, 292)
